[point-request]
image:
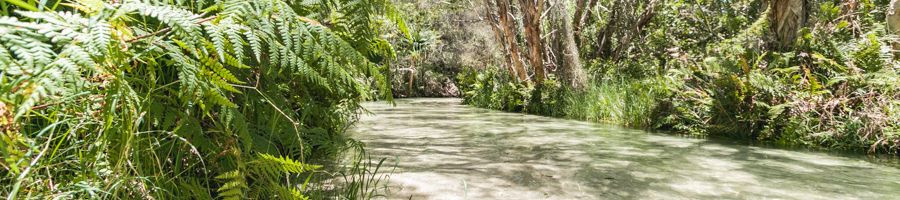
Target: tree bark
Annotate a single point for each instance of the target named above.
(603, 44)
(582, 10)
(569, 62)
(532, 10)
(785, 20)
(491, 15)
(893, 22)
(508, 28)
(636, 30)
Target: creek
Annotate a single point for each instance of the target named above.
(446, 150)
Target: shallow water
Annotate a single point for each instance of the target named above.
(445, 150)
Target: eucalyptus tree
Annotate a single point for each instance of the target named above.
(565, 48)
(533, 24)
(893, 21)
(786, 18)
(531, 21)
(505, 29)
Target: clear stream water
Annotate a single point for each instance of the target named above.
(444, 150)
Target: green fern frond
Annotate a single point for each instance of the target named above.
(219, 70)
(234, 185)
(272, 166)
(79, 55)
(60, 67)
(222, 83)
(255, 43)
(288, 58)
(284, 28)
(170, 67)
(282, 192)
(217, 37)
(30, 51)
(218, 98)
(100, 37)
(274, 54)
(235, 8)
(182, 21)
(6, 58)
(311, 50)
(236, 124)
(187, 72)
(233, 33)
(234, 62)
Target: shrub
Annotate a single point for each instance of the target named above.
(189, 99)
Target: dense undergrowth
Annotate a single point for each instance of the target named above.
(443, 37)
(187, 99)
(705, 73)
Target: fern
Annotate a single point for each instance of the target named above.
(234, 185)
(271, 166)
(232, 31)
(198, 84)
(218, 39)
(281, 192)
(182, 21)
(255, 44)
(99, 37)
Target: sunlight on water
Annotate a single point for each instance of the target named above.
(445, 150)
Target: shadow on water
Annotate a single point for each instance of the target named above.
(450, 151)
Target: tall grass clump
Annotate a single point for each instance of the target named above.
(630, 103)
(356, 176)
(182, 99)
(621, 101)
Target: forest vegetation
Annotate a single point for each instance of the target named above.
(235, 99)
(817, 74)
(225, 99)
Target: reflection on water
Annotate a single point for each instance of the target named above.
(445, 150)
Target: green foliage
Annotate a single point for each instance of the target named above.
(704, 68)
(630, 103)
(492, 89)
(817, 96)
(188, 99)
(265, 170)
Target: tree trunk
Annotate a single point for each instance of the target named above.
(499, 36)
(582, 10)
(508, 28)
(636, 30)
(532, 22)
(893, 21)
(603, 45)
(785, 20)
(569, 62)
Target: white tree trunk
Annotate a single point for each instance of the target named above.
(893, 22)
(786, 18)
(566, 50)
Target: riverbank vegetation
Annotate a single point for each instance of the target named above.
(233, 99)
(188, 99)
(818, 74)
